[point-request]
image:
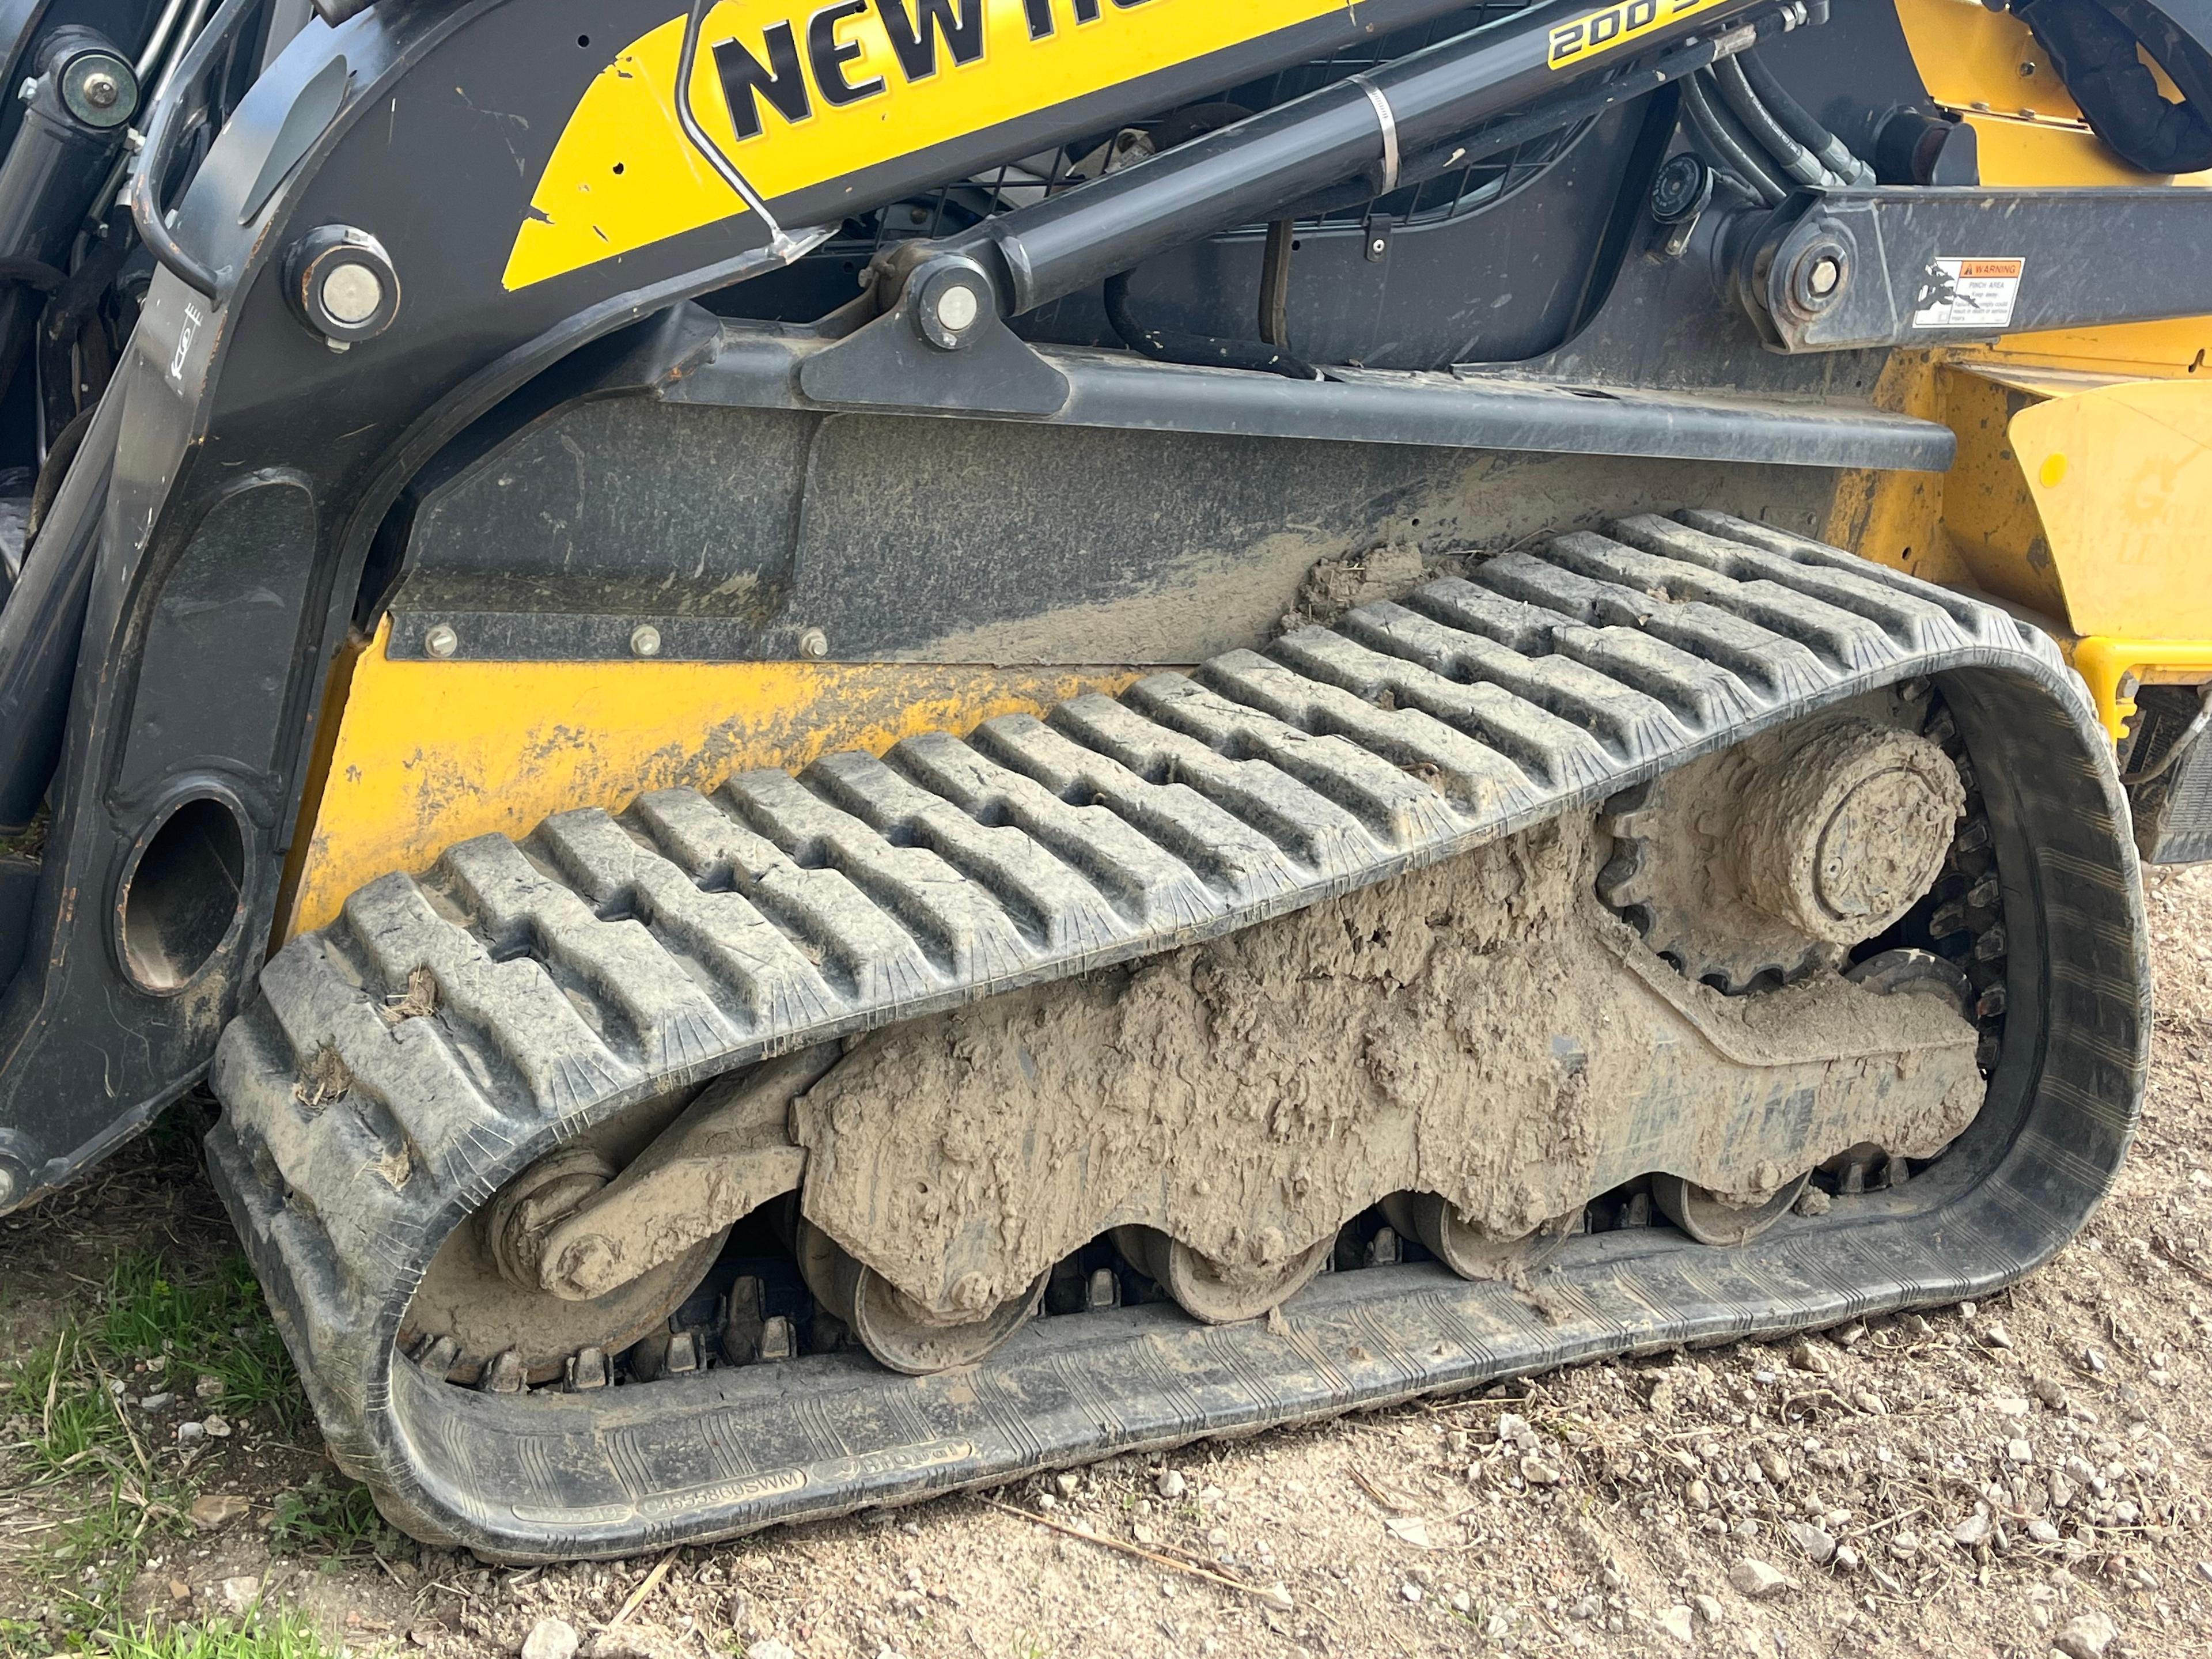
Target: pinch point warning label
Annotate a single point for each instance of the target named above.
(1976, 294)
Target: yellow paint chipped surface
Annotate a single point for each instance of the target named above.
(429, 754)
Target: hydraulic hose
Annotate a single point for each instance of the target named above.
(1794, 159)
(1730, 150)
(1833, 152)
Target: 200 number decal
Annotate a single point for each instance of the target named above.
(1602, 31)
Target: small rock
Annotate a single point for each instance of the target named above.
(1870, 1402)
(1537, 1473)
(1904, 1545)
(1045, 1500)
(1170, 1484)
(1698, 1496)
(1754, 1579)
(1974, 1529)
(1410, 1591)
(189, 1433)
(1847, 1558)
(1675, 1621)
(1661, 1400)
(1807, 1357)
(2008, 1405)
(2064, 1492)
(1818, 1547)
(217, 1427)
(1515, 1431)
(208, 1388)
(770, 1648)
(1774, 1466)
(2021, 1452)
(2085, 1636)
(2093, 1359)
(1995, 1335)
(1277, 1597)
(1709, 1608)
(1585, 1609)
(1069, 1483)
(1814, 1201)
(2042, 1531)
(217, 1509)
(2050, 1391)
(1968, 1310)
(157, 1402)
(180, 1590)
(240, 1593)
(551, 1638)
(1461, 1602)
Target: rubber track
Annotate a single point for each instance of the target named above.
(605, 961)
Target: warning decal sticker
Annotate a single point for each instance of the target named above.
(1977, 294)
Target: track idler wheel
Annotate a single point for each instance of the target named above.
(902, 1333)
(1220, 1293)
(1710, 1218)
(1470, 1250)
(481, 1316)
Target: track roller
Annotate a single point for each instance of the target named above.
(1711, 1218)
(1469, 1250)
(1219, 1292)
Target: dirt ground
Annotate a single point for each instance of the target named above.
(2026, 1476)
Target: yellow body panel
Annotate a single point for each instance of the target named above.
(2083, 481)
(1972, 58)
(428, 754)
(2121, 476)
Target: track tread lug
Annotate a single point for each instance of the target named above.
(1482, 784)
(927, 895)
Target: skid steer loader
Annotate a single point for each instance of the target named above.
(878, 743)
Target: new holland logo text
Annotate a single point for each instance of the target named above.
(797, 94)
(792, 81)
(1602, 31)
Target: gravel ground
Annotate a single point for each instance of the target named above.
(2021, 1477)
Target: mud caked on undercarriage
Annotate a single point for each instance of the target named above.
(900, 743)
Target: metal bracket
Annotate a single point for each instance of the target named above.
(908, 358)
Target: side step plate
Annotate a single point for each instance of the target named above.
(605, 962)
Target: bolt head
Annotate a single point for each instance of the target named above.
(442, 641)
(645, 640)
(958, 305)
(1826, 274)
(101, 90)
(351, 293)
(7, 1185)
(814, 645)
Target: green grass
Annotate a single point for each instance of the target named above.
(288, 1637)
(108, 1470)
(210, 1324)
(322, 1520)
